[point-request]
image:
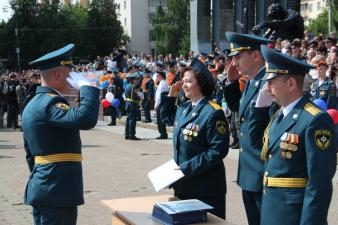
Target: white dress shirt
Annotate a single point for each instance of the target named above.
(162, 87)
(289, 107)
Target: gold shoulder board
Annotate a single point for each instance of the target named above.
(52, 95)
(214, 105)
(312, 109)
(62, 106)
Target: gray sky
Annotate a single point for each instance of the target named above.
(4, 6)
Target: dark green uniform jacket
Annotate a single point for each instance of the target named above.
(50, 126)
(200, 138)
(250, 166)
(301, 146)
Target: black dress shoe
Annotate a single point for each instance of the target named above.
(134, 138)
(147, 121)
(111, 124)
(126, 138)
(162, 137)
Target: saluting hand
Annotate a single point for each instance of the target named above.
(264, 98)
(232, 72)
(77, 80)
(175, 89)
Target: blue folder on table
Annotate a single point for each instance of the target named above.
(181, 212)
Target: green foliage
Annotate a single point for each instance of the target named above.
(172, 30)
(109, 36)
(46, 26)
(320, 24)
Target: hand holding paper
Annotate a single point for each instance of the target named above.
(165, 175)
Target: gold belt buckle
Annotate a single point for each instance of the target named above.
(265, 180)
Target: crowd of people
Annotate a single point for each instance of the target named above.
(155, 75)
(283, 87)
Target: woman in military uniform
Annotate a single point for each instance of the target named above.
(323, 87)
(200, 138)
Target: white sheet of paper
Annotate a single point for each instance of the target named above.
(165, 175)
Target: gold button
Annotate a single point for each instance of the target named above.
(266, 173)
(270, 156)
(241, 134)
(241, 150)
(242, 119)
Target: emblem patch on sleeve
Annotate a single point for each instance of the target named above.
(323, 139)
(63, 106)
(221, 127)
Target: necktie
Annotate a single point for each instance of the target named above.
(280, 117)
(247, 86)
(190, 107)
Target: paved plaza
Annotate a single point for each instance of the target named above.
(113, 168)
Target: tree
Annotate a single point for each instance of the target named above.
(49, 25)
(172, 30)
(320, 24)
(16, 35)
(106, 30)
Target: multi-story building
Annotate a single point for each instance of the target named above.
(310, 9)
(136, 19)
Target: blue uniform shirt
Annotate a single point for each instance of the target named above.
(325, 91)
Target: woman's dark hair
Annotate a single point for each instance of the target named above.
(206, 87)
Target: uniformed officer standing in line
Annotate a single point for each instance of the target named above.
(323, 87)
(298, 149)
(132, 107)
(52, 140)
(247, 60)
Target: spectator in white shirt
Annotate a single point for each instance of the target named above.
(162, 89)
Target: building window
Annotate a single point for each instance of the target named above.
(151, 35)
(152, 3)
(310, 7)
(318, 6)
(164, 3)
(125, 5)
(151, 18)
(157, 3)
(302, 7)
(125, 21)
(306, 6)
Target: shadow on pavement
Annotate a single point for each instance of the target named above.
(10, 147)
(92, 146)
(5, 157)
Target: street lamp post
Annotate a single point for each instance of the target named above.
(17, 50)
(329, 5)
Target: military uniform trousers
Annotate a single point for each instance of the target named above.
(54, 215)
(146, 104)
(132, 114)
(160, 125)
